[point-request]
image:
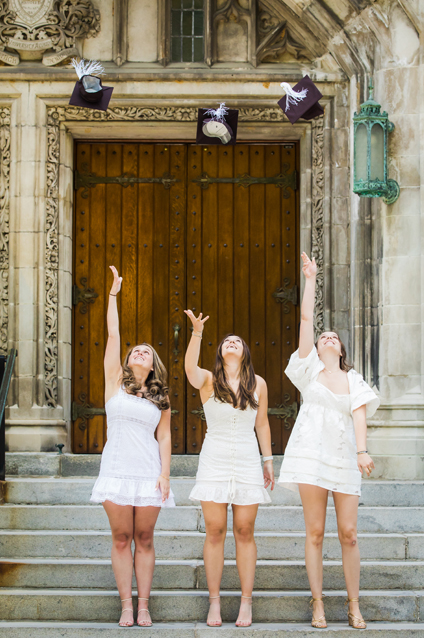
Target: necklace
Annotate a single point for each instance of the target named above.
(329, 371)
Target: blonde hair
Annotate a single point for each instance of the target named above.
(156, 382)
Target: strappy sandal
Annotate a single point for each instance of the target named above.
(318, 623)
(354, 621)
(240, 623)
(216, 623)
(124, 600)
(144, 623)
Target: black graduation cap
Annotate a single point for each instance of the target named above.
(301, 101)
(89, 91)
(217, 126)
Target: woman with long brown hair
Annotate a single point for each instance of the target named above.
(133, 483)
(327, 450)
(235, 404)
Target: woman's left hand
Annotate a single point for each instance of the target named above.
(365, 464)
(269, 475)
(165, 486)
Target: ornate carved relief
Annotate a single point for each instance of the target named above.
(318, 217)
(275, 39)
(231, 11)
(233, 23)
(46, 29)
(56, 115)
(4, 224)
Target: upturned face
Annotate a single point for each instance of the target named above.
(329, 341)
(141, 357)
(232, 347)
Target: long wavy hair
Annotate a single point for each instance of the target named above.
(156, 382)
(221, 387)
(344, 365)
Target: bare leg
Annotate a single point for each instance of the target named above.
(215, 515)
(314, 501)
(144, 558)
(244, 517)
(347, 522)
(121, 525)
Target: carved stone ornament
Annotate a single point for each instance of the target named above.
(58, 114)
(276, 40)
(318, 218)
(45, 29)
(4, 224)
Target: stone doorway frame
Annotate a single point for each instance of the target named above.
(65, 124)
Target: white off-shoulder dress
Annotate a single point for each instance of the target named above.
(322, 447)
(130, 464)
(230, 468)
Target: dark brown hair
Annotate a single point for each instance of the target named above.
(344, 365)
(221, 387)
(156, 382)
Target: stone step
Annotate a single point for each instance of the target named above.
(395, 520)
(200, 630)
(190, 574)
(77, 491)
(177, 545)
(177, 606)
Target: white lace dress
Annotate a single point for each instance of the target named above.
(131, 463)
(322, 447)
(230, 468)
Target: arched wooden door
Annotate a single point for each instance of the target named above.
(211, 228)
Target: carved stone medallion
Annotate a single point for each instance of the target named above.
(45, 29)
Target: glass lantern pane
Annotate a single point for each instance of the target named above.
(361, 144)
(176, 4)
(198, 22)
(198, 50)
(187, 50)
(176, 50)
(377, 152)
(176, 23)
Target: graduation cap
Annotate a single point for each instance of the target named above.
(88, 91)
(217, 126)
(301, 101)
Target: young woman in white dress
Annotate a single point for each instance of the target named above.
(133, 483)
(327, 450)
(235, 402)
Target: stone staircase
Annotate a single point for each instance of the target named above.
(56, 577)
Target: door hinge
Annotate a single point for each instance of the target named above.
(83, 295)
(286, 295)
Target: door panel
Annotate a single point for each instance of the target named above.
(136, 227)
(203, 227)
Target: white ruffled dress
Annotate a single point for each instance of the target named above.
(322, 447)
(230, 468)
(130, 464)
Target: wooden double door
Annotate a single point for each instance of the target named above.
(211, 228)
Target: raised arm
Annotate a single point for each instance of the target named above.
(112, 362)
(306, 336)
(198, 377)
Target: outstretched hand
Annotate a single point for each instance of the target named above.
(117, 281)
(198, 323)
(309, 268)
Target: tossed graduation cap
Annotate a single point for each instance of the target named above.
(89, 91)
(217, 126)
(301, 100)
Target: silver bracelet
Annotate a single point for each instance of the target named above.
(362, 452)
(267, 458)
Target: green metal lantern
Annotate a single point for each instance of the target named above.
(371, 128)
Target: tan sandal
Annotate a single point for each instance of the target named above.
(216, 623)
(318, 623)
(124, 600)
(239, 624)
(144, 623)
(354, 621)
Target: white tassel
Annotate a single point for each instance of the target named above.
(218, 114)
(293, 97)
(87, 67)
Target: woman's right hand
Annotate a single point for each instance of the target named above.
(309, 268)
(198, 323)
(117, 281)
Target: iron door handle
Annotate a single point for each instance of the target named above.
(176, 328)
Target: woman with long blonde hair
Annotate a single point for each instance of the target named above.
(327, 450)
(133, 483)
(235, 403)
